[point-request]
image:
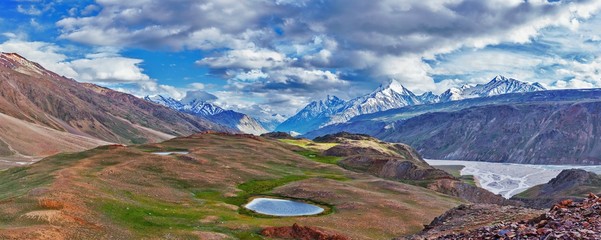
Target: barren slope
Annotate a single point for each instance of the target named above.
(126, 192)
(18, 137)
(33, 94)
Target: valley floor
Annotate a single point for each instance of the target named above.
(509, 179)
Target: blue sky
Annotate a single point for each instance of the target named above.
(268, 57)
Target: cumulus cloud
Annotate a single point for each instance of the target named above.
(246, 59)
(47, 54)
(295, 51)
(108, 70)
(198, 95)
(261, 34)
(96, 67)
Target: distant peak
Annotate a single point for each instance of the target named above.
(395, 86)
(501, 78)
(332, 100)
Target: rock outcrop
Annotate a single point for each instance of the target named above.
(470, 217)
(569, 184)
(402, 163)
(566, 220)
(342, 137)
(278, 135)
(469, 192)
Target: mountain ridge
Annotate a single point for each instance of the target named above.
(390, 96)
(36, 96)
(199, 107)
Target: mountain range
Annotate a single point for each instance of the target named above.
(542, 127)
(334, 110)
(43, 113)
(201, 107)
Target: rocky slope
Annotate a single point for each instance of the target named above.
(313, 116)
(544, 133)
(470, 217)
(402, 163)
(573, 184)
(202, 108)
(32, 94)
(566, 220)
(543, 127)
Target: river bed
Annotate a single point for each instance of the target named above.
(509, 179)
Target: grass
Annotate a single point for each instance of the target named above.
(18, 181)
(259, 187)
(315, 156)
(308, 144)
(455, 170)
(154, 148)
(149, 217)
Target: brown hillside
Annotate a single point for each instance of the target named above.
(33, 94)
(116, 192)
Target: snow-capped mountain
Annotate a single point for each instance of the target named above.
(428, 97)
(334, 110)
(394, 95)
(199, 107)
(497, 86)
(271, 123)
(313, 115)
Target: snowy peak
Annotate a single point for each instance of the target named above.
(196, 107)
(199, 107)
(502, 85)
(330, 104)
(392, 95)
(393, 86)
(312, 115)
(202, 108)
(428, 97)
(497, 86)
(165, 101)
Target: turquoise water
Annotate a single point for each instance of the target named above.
(282, 208)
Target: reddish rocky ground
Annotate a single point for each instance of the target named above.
(566, 220)
(301, 232)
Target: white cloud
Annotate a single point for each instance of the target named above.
(47, 54)
(196, 86)
(31, 10)
(579, 75)
(322, 37)
(246, 59)
(411, 71)
(96, 68)
(109, 70)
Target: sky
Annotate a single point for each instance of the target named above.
(269, 58)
